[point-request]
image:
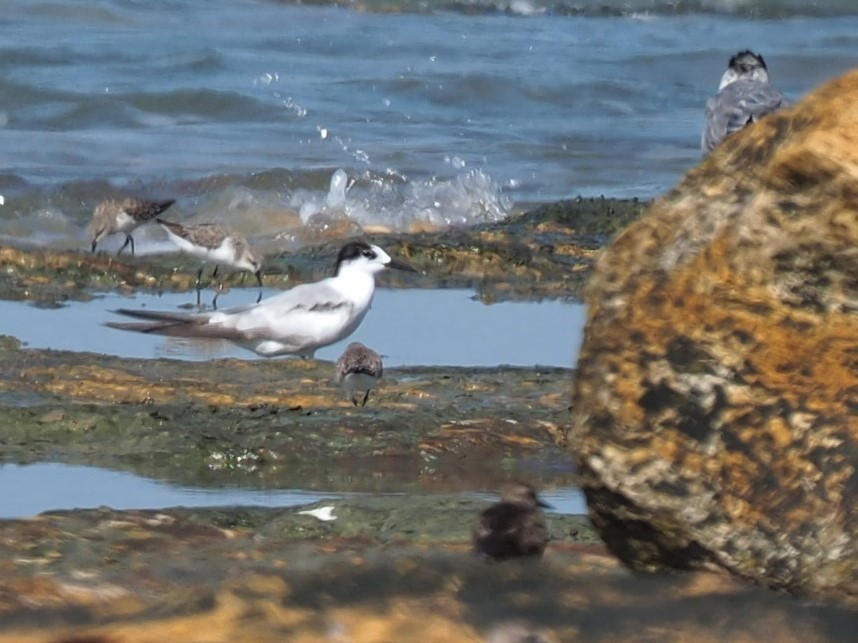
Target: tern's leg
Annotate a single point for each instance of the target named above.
(354, 399)
(365, 398)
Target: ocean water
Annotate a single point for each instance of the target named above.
(276, 116)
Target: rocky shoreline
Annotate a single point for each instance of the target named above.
(395, 564)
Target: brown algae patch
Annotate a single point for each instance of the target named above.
(103, 575)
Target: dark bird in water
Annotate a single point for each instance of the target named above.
(744, 96)
(513, 527)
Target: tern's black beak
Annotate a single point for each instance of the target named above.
(397, 264)
(541, 503)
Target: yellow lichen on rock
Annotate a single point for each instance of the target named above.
(719, 361)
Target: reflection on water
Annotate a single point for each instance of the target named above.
(48, 486)
(408, 327)
(51, 486)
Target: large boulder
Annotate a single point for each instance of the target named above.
(715, 411)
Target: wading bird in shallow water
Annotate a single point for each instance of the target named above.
(359, 368)
(217, 243)
(744, 96)
(123, 215)
(296, 322)
(513, 527)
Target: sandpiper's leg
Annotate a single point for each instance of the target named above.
(199, 284)
(218, 287)
(365, 398)
(259, 281)
(128, 239)
(94, 244)
(354, 399)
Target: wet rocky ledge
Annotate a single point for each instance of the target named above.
(394, 565)
(546, 252)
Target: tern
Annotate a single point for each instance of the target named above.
(296, 322)
(513, 527)
(123, 215)
(744, 96)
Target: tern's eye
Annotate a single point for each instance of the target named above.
(369, 254)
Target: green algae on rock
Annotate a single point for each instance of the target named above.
(283, 422)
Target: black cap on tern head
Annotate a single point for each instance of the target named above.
(746, 61)
(356, 249)
(353, 250)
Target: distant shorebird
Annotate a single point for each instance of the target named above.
(744, 96)
(296, 322)
(123, 215)
(217, 243)
(359, 368)
(513, 527)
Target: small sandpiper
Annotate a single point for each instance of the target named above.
(217, 243)
(513, 527)
(359, 368)
(123, 215)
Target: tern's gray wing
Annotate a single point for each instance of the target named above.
(168, 323)
(309, 314)
(735, 106)
(296, 321)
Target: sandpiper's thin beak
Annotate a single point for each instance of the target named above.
(545, 505)
(398, 264)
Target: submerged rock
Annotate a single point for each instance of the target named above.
(714, 418)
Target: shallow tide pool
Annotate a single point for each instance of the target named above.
(408, 327)
(52, 486)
